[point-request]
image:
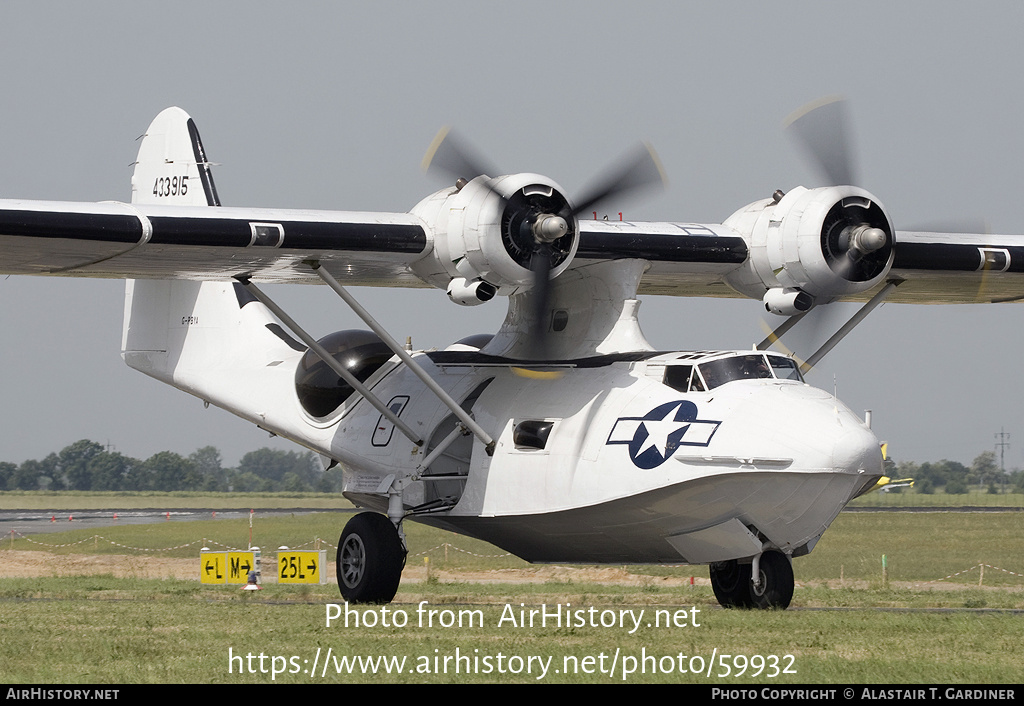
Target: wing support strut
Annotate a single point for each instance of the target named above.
(458, 431)
(849, 325)
(462, 415)
(333, 364)
(780, 331)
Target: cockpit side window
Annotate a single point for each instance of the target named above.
(678, 377)
(785, 368)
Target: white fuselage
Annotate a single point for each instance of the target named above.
(631, 470)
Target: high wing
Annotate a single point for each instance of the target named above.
(118, 240)
(200, 243)
(695, 260)
(953, 268)
(789, 248)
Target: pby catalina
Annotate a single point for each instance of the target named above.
(563, 437)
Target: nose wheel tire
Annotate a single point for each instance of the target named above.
(775, 589)
(734, 588)
(370, 559)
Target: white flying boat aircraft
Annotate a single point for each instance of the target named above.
(563, 437)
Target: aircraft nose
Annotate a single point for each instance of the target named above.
(813, 429)
(857, 450)
(819, 456)
(847, 444)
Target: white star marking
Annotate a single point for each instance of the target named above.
(658, 432)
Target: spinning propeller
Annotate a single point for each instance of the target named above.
(854, 240)
(538, 228)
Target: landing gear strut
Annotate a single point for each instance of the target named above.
(734, 586)
(775, 587)
(370, 559)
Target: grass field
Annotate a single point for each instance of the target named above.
(847, 625)
(101, 630)
(974, 498)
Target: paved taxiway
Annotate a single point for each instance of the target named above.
(29, 522)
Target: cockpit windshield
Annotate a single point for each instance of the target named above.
(742, 366)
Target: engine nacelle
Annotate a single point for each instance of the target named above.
(483, 235)
(811, 246)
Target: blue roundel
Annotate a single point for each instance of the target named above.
(653, 438)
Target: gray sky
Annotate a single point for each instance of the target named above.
(332, 105)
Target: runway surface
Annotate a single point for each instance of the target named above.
(29, 522)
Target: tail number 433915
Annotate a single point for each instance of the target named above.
(170, 186)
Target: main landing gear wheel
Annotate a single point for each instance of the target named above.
(775, 589)
(730, 580)
(370, 559)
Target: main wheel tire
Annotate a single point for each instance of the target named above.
(370, 559)
(776, 585)
(730, 580)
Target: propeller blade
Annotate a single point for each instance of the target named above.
(820, 128)
(639, 169)
(815, 327)
(451, 156)
(540, 265)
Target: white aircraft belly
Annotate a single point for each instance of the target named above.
(668, 524)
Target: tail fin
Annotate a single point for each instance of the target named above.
(172, 167)
(206, 338)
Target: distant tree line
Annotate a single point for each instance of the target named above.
(955, 478)
(87, 465)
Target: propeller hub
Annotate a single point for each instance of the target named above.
(855, 239)
(866, 239)
(549, 228)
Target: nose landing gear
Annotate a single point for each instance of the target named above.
(735, 585)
